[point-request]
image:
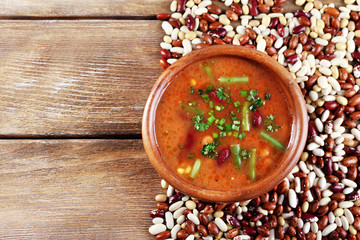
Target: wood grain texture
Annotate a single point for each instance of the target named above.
(76, 78)
(76, 189)
(96, 8)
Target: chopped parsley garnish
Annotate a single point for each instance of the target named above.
(241, 135)
(191, 156)
(245, 154)
(199, 124)
(208, 150)
(267, 96)
(270, 125)
(191, 90)
(255, 99)
(220, 93)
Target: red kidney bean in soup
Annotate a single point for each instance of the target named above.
(223, 123)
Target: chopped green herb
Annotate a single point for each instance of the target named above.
(270, 125)
(205, 97)
(181, 147)
(217, 108)
(233, 118)
(211, 119)
(241, 135)
(222, 134)
(220, 93)
(222, 121)
(245, 154)
(243, 93)
(267, 96)
(237, 104)
(235, 134)
(209, 88)
(215, 135)
(191, 90)
(211, 104)
(208, 150)
(236, 122)
(198, 124)
(253, 92)
(200, 92)
(227, 127)
(235, 127)
(191, 156)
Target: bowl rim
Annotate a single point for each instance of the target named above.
(298, 134)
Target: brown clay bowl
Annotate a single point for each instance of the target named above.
(295, 148)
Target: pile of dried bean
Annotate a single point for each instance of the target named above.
(319, 45)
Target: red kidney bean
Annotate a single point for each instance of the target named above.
(331, 105)
(308, 217)
(253, 8)
(218, 33)
(190, 22)
(181, 6)
(163, 63)
(328, 166)
(351, 151)
(166, 54)
(175, 198)
(312, 130)
(250, 231)
(299, 13)
(337, 187)
(293, 59)
(355, 195)
(163, 16)
(236, 8)
(257, 119)
(356, 55)
(299, 29)
(280, 30)
(157, 213)
(222, 156)
(274, 22)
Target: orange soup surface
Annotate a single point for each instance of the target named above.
(223, 123)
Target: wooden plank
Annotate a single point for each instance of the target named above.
(75, 189)
(96, 8)
(76, 78)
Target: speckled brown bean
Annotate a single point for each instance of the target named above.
(214, 9)
(244, 39)
(289, 52)
(213, 229)
(278, 210)
(351, 237)
(339, 196)
(334, 236)
(271, 51)
(346, 86)
(190, 227)
(355, 210)
(163, 63)
(330, 48)
(232, 233)
(215, 26)
(162, 206)
(209, 209)
(342, 232)
(329, 144)
(269, 41)
(354, 16)
(175, 22)
(304, 21)
(209, 18)
(352, 173)
(277, 9)
(333, 204)
(232, 15)
(281, 187)
(303, 196)
(311, 236)
(252, 34)
(303, 38)
(264, 232)
(335, 22)
(279, 2)
(350, 93)
(293, 42)
(326, 18)
(279, 232)
(220, 206)
(305, 184)
(356, 223)
(230, 208)
(323, 222)
(343, 74)
(349, 161)
(201, 229)
(319, 110)
(316, 49)
(206, 37)
(322, 211)
(293, 221)
(255, 202)
(204, 219)
(354, 116)
(291, 231)
(332, 179)
(314, 206)
(182, 234)
(320, 162)
(177, 43)
(264, 8)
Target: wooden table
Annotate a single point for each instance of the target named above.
(74, 77)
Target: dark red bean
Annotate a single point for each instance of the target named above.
(175, 198)
(163, 63)
(312, 130)
(257, 119)
(331, 105)
(355, 195)
(253, 8)
(233, 221)
(356, 55)
(181, 6)
(299, 29)
(336, 187)
(218, 33)
(350, 151)
(250, 231)
(190, 140)
(166, 54)
(329, 166)
(223, 155)
(274, 22)
(299, 13)
(214, 96)
(157, 213)
(280, 30)
(308, 217)
(190, 22)
(293, 59)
